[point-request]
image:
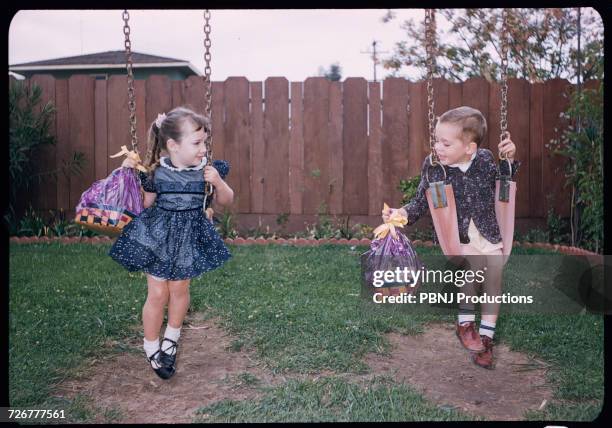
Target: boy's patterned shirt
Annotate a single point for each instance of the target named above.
(474, 194)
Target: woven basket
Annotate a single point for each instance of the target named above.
(104, 219)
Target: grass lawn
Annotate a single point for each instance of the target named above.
(297, 307)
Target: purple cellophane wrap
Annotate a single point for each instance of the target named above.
(119, 191)
(389, 253)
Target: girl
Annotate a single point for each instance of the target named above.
(172, 240)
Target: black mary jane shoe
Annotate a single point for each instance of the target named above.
(163, 371)
(169, 360)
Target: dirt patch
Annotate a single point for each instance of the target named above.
(438, 366)
(207, 371)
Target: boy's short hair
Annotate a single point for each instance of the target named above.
(472, 122)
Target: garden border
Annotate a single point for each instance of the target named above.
(300, 242)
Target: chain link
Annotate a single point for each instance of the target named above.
(130, 79)
(208, 94)
(503, 120)
(430, 46)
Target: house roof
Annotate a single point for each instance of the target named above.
(109, 59)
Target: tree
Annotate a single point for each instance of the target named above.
(334, 73)
(543, 44)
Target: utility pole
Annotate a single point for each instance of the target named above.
(373, 52)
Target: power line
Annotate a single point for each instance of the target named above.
(374, 52)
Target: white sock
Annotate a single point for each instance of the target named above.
(172, 334)
(487, 328)
(466, 317)
(150, 347)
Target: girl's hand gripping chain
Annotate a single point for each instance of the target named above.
(212, 176)
(132, 159)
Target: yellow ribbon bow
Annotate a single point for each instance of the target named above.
(132, 155)
(396, 220)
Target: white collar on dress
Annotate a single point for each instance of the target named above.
(167, 163)
(465, 165)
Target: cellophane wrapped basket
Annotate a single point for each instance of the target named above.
(388, 251)
(111, 203)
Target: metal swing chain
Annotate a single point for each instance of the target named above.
(208, 189)
(430, 41)
(503, 120)
(130, 80)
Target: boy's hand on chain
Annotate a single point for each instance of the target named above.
(507, 148)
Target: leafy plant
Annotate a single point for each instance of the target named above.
(409, 188)
(227, 225)
(582, 144)
(30, 124)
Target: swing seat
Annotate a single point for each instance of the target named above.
(443, 210)
(504, 212)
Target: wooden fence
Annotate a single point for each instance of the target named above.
(294, 146)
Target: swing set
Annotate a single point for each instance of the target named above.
(440, 197)
(439, 194)
(110, 219)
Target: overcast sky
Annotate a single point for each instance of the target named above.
(251, 43)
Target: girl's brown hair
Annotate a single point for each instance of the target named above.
(171, 128)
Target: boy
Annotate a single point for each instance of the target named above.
(472, 172)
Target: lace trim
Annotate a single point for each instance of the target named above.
(166, 163)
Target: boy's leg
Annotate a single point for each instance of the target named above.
(490, 311)
(492, 287)
(466, 322)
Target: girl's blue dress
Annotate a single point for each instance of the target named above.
(173, 239)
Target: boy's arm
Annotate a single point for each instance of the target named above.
(417, 206)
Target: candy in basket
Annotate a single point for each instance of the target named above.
(389, 251)
(111, 203)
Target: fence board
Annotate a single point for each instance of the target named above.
(118, 117)
(537, 201)
(316, 147)
(553, 165)
(276, 137)
(101, 130)
(158, 90)
(258, 149)
(44, 191)
(518, 125)
(237, 146)
(375, 172)
(355, 142)
(418, 139)
(296, 150)
(395, 137)
(63, 150)
(336, 160)
(218, 121)
(81, 105)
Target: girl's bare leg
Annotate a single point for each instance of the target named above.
(179, 302)
(153, 309)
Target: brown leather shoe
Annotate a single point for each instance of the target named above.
(484, 358)
(468, 336)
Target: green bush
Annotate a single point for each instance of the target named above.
(582, 144)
